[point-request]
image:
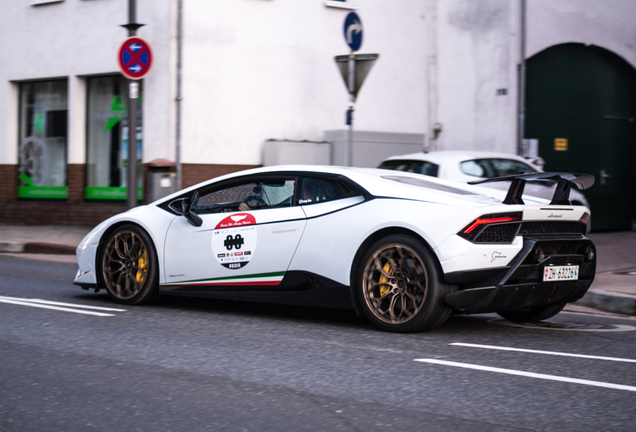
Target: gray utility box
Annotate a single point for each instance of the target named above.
(161, 185)
(287, 152)
(371, 148)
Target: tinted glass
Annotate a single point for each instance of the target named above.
(477, 168)
(315, 190)
(412, 166)
(253, 195)
(505, 167)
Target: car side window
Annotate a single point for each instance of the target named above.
(315, 190)
(477, 168)
(505, 167)
(251, 195)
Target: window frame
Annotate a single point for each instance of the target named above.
(348, 187)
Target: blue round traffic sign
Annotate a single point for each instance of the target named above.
(135, 58)
(353, 31)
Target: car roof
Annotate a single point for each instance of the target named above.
(378, 182)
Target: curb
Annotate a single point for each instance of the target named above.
(609, 302)
(36, 248)
(11, 247)
(49, 248)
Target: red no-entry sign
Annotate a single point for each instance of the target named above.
(135, 58)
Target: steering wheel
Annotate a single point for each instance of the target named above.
(260, 201)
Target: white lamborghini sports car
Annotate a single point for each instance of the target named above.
(404, 249)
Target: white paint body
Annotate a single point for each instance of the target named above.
(323, 238)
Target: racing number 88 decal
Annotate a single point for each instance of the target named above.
(234, 241)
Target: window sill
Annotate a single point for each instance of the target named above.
(340, 5)
(44, 2)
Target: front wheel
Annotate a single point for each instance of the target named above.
(129, 267)
(400, 287)
(532, 315)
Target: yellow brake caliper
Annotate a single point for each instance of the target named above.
(384, 287)
(143, 267)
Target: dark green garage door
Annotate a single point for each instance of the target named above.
(581, 105)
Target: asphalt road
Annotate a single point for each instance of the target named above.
(191, 364)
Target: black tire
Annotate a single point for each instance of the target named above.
(400, 288)
(128, 266)
(532, 315)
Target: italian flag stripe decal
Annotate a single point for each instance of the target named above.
(253, 279)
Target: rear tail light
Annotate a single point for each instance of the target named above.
(477, 226)
(584, 221)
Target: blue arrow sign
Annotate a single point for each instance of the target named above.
(353, 31)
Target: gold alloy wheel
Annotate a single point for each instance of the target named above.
(395, 283)
(125, 264)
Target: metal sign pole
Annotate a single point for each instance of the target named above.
(352, 99)
(133, 88)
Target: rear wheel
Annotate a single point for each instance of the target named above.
(400, 288)
(129, 269)
(531, 315)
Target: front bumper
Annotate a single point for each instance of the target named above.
(521, 285)
(86, 276)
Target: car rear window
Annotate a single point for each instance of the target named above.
(491, 167)
(508, 167)
(412, 166)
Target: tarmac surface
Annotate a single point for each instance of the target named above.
(613, 290)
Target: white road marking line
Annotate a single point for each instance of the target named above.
(73, 305)
(616, 327)
(57, 308)
(555, 353)
(61, 304)
(529, 374)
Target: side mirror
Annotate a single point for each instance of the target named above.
(179, 205)
(182, 207)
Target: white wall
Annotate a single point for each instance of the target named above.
(257, 70)
(610, 24)
(474, 41)
(264, 69)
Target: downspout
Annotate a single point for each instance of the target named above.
(521, 108)
(179, 98)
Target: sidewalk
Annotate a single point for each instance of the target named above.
(614, 289)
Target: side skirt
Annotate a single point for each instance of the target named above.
(296, 288)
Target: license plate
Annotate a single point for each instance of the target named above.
(559, 273)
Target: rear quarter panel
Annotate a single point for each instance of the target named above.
(330, 242)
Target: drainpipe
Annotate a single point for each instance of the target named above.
(179, 98)
(521, 108)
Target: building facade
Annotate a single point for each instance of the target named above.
(245, 73)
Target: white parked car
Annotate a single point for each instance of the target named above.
(404, 249)
(466, 166)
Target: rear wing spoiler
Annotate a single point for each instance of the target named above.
(561, 194)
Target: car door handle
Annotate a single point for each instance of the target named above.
(286, 228)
